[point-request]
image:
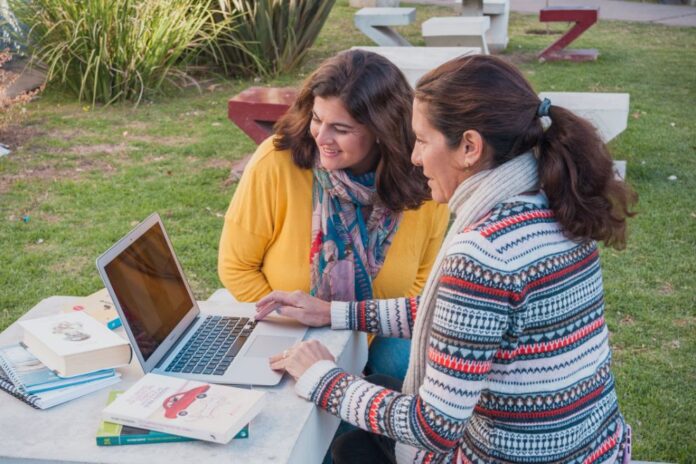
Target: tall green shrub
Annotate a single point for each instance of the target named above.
(115, 50)
(275, 35)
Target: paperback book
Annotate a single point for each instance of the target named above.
(184, 407)
(99, 306)
(73, 344)
(32, 376)
(112, 434)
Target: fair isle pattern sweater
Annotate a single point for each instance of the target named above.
(518, 358)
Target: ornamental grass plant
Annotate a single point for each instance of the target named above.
(116, 50)
(275, 35)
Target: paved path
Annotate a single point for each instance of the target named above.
(670, 15)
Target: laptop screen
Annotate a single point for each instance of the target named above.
(150, 289)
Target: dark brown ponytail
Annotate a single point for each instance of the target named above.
(488, 95)
(577, 174)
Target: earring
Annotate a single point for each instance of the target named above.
(377, 141)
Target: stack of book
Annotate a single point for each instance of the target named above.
(163, 407)
(113, 434)
(64, 356)
(22, 375)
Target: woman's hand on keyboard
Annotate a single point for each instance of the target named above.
(306, 309)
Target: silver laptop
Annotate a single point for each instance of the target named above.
(168, 332)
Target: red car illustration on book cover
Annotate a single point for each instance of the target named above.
(176, 404)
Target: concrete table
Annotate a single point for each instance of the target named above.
(288, 430)
(414, 62)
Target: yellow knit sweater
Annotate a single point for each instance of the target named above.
(266, 237)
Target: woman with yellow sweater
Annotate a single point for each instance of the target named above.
(331, 204)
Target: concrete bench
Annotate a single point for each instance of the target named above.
(373, 3)
(457, 31)
(608, 112)
(497, 35)
(416, 61)
(256, 109)
(376, 24)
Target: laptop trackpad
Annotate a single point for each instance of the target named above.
(264, 346)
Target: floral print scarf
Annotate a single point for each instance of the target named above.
(351, 233)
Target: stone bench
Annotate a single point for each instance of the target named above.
(376, 24)
(414, 62)
(608, 112)
(497, 35)
(457, 31)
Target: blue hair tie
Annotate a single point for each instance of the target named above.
(544, 107)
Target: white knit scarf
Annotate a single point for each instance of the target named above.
(472, 199)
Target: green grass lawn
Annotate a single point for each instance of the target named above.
(83, 177)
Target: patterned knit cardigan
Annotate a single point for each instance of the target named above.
(518, 359)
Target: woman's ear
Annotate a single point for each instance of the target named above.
(470, 149)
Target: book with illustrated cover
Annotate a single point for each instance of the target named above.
(112, 434)
(48, 399)
(32, 376)
(99, 306)
(189, 408)
(74, 343)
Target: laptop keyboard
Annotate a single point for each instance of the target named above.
(211, 350)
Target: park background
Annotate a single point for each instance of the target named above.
(80, 174)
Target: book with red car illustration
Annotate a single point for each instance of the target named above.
(185, 407)
(112, 434)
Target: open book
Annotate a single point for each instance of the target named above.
(184, 407)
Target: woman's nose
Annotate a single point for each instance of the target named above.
(415, 157)
(323, 135)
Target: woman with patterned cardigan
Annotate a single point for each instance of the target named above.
(510, 359)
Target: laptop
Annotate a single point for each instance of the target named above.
(167, 330)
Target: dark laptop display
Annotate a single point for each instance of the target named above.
(150, 288)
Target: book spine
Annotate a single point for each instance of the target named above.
(139, 439)
(158, 427)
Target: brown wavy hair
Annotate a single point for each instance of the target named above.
(486, 94)
(376, 94)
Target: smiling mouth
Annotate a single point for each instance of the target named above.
(329, 152)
